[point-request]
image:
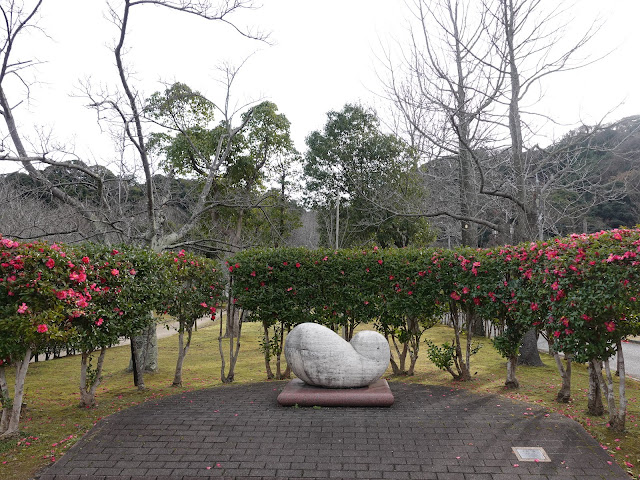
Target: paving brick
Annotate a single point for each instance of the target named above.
(178, 437)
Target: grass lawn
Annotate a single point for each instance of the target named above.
(52, 421)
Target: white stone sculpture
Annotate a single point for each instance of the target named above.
(318, 356)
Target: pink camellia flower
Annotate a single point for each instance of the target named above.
(203, 304)
(23, 308)
(298, 265)
(42, 328)
(534, 306)
(50, 263)
(85, 260)
(455, 295)
(611, 326)
(132, 271)
(61, 294)
(100, 321)
(115, 272)
(556, 334)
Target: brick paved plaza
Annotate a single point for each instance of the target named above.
(240, 431)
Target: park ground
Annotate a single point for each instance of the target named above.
(53, 422)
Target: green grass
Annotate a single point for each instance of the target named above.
(52, 421)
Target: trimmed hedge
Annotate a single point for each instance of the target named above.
(582, 289)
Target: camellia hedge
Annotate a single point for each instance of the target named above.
(88, 297)
(581, 290)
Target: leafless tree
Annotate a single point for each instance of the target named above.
(120, 105)
(462, 80)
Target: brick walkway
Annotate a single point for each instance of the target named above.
(241, 432)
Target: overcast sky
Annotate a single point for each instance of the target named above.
(323, 56)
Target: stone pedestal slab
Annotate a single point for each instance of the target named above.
(378, 394)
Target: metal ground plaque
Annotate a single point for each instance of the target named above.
(531, 454)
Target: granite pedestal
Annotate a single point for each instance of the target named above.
(378, 394)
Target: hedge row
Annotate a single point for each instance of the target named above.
(88, 297)
(581, 289)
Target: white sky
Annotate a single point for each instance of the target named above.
(324, 57)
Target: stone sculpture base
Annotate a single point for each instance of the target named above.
(378, 394)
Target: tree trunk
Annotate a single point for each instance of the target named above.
(234, 349)
(512, 381)
(18, 393)
(287, 372)
(478, 328)
(622, 411)
(529, 354)
(182, 352)
(461, 365)
(267, 352)
(146, 346)
(88, 390)
(414, 343)
(396, 366)
(594, 403)
(564, 395)
(5, 399)
(137, 360)
(615, 422)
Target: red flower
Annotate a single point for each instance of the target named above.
(455, 296)
(100, 321)
(611, 326)
(115, 272)
(534, 306)
(23, 308)
(85, 259)
(50, 263)
(42, 328)
(380, 261)
(285, 263)
(253, 274)
(298, 265)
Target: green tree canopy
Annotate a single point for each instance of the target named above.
(352, 159)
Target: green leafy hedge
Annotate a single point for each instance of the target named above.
(582, 289)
